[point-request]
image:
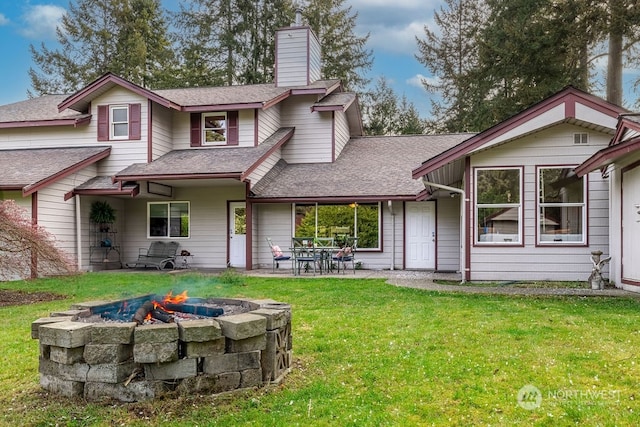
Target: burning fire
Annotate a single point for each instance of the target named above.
(178, 299)
(169, 298)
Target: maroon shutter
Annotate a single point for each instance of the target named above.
(232, 128)
(196, 131)
(103, 123)
(134, 121)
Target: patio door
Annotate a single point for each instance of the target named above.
(237, 234)
(420, 237)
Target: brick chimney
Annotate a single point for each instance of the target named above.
(297, 55)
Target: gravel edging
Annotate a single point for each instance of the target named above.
(429, 285)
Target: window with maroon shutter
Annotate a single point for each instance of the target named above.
(119, 122)
(135, 121)
(103, 123)
(232, 128)
(195, 129)
(209, 129)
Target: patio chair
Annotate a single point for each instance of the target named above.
(347, 254)
(305, 253)
(277, 256)
(159, 255)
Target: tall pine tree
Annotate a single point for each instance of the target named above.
(450, 52)
(127, 37)
(344, 53)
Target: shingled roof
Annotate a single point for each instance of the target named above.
(44, 108)
(369, 168)
(218, 162)
(30, 169)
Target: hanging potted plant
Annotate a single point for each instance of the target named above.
(102, 214)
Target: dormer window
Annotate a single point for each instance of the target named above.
(209, 129)
(214, 129)
(119, 122)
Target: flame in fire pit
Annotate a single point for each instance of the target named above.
(160, 310)
(178, 299)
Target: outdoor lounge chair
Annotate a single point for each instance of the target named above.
(277, 255)
(159, 255)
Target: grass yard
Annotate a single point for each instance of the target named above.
(369, 354)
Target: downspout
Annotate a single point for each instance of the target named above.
(78, 233)
(463, 214)
(393, 234)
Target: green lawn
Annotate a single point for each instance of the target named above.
(366, 353)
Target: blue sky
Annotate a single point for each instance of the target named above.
(392, 24)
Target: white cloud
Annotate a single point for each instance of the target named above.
(41, 21)
(393, 24)
(399, 40)
(3, 20)
(417, 80)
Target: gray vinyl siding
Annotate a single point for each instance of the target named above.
(311, 142)
(448, 234)
(264, 167)
(293, 49)
(208, 222)
(58, 216)
(246, 128)
(550, 147)
(268, 122)
(315, 55)
(341, 131)
(125, 152)
(161, 131)
(274, 221)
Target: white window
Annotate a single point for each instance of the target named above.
(168, 219)
(498, 194)
(561, 206)
(580, 138)
(214, 129)
(119, 122)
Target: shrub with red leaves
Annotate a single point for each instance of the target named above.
(28, 250)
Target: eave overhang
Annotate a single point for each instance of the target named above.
(74, 122)
(568, 98)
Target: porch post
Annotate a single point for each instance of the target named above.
(249, 225)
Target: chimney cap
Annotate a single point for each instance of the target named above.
(298, 22)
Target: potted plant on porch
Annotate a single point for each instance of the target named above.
(103, 214)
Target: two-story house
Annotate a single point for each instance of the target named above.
(220, 169)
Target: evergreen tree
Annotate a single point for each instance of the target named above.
(126, 37)
(409, 121)
(529, 50)
(450, 52)
(385, 114)
(344, 55)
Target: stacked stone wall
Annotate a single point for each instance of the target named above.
(131, 362)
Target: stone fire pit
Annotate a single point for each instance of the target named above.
(85, 352)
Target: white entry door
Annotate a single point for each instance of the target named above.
(631, 225)
(420, 239)
(237, 234)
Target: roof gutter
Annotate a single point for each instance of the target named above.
(463, 219)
